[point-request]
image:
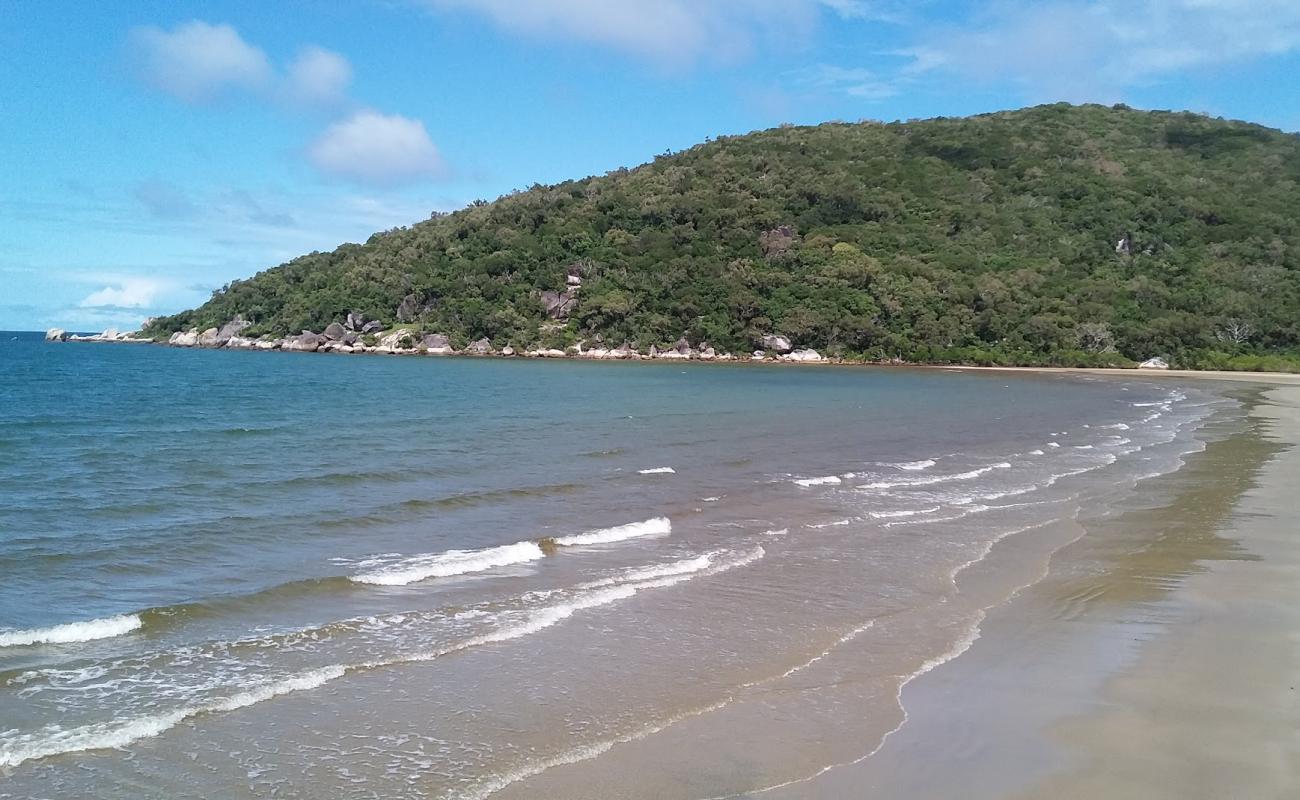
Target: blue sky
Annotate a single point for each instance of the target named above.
(152, 151)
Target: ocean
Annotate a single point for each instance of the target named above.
(235, 574)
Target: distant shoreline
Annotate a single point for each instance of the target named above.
(1274, 378)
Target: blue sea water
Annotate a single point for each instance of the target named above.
(198, 548)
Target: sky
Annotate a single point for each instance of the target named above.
(151, 152)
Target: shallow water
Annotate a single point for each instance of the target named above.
(256, 575)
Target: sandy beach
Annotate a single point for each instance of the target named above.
(1157, 658)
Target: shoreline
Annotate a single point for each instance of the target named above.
(673, 356)
(1155, 657)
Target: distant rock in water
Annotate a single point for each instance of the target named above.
(56, 335)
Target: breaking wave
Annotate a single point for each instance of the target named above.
(450, 563)
(658, 526)
(69, 632)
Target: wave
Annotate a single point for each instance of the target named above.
(658, 526)
(959, 476)
(1036, 452)
(777, 532)
(898, 514)
(70, 632)
(53, 740)
(450, 563)
(837, 523)
(915, 466)
(657, 471)
(470, 499)
(828, 480)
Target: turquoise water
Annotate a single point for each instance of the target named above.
(201, 548)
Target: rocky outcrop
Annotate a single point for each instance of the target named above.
(210, 338)
(408, 309)
(401, 340)
(355, 321)
(234, 327)
(482, 347)
(188, 338)
(507, 351)
(804, 355)
(335, 332)
(306, 342)
(758, 355)
(559, 305)
(707, 353)
(437, 344)
(56, 335)
(1154, 363)
(777, 241)
(778, 343)
(373, 326)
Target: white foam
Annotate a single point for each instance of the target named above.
(837, 523)
(450, 563)
(657, 471)
(897, 514)
(913, 466)
(827, 480)
(777, 532)
(959, 476)
(53, 740)
(1036, 452)
(550, 615)
(70, 632)
(658, 526)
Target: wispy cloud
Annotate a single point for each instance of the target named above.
(164, 200)
(854, 82)
(671, 32)
(1094, 49)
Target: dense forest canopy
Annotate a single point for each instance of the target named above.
(1052, 235)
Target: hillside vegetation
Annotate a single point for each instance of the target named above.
(1051, 235)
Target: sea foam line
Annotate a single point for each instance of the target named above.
(826, 480)
(959, 476)
(657, 526)
(450, 563)
(657, 471)
(53, 740)
(70, 632)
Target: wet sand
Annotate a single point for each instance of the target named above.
(1158, 657)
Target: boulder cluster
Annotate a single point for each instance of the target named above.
(358, 335)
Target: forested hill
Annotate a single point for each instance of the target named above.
(1056, 234)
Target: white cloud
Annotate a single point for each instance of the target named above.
(317, 77)
(375, 148)
(668, 31)
(127, 292)
(198, 61)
